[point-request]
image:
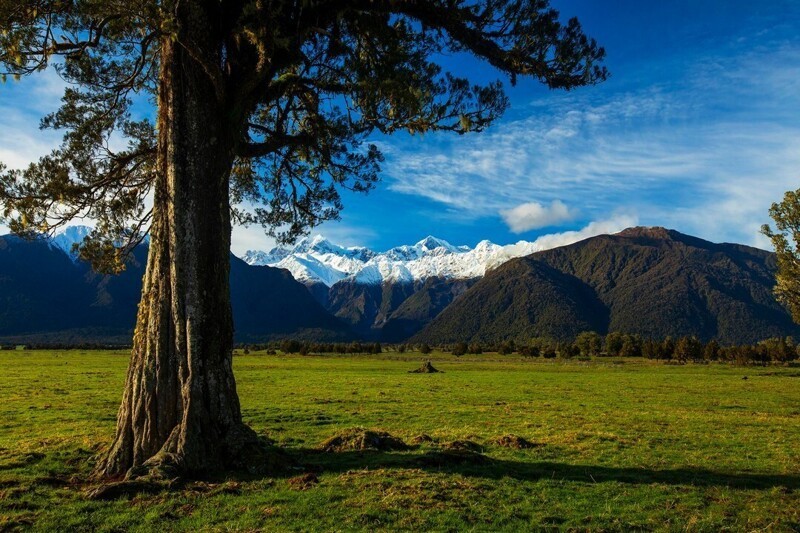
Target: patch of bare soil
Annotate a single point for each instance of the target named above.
(359, 439)
(303, 482)
(423, 438)
(463, 445)
(515, 441)
(426, 368)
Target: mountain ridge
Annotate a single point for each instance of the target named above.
(315, 259)
(650, 281)
(647, 280)
(48, 295)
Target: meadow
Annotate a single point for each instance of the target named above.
(607, 445)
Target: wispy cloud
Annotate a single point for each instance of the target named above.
(22, 106)
(533, 215)
(706, 155)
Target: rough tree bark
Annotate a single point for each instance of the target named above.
(180, 406)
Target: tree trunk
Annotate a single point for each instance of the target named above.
(180, 406)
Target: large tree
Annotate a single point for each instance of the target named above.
(786, 240)
(264, 110)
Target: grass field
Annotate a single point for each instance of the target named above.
(617, 445)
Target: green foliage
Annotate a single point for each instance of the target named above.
(589, 343)
(781, 350)
(301, 86)
(460, 349)
(568, 350)
(614, 342)
(786, 241)
(688, 349)
(711, 351)
(631, 346)
(506, 348)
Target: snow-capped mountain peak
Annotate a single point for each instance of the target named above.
(317, 260)
(256, 257)
(431, 243)
(68, 236)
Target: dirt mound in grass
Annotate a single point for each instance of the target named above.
(304, 482)
(514, 441)
(423, 438)
(363, 439)
(426, 368)
(463, 446)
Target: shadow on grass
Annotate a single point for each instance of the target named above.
(296, 462)
(481, 466)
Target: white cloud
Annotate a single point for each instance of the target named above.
(615, 224)
(22, 106)
(533, 215)
(250, 238)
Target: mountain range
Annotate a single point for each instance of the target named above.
(317, 260)
(388, 295)
(651, 281)
(48, 295)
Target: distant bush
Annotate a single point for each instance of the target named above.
(424, 349)
(475, 348)
(567, 350)
(589, 343)
(529, 351)
(506, 348)
(460, 349)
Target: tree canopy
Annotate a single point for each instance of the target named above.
(786, 240)
(305, 84)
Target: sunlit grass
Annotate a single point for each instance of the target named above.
(616, 445)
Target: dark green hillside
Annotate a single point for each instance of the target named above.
(45, 297)
(366, 307)
(39, 288)
(523, 298)
(434, 295)
(651, 281)
(268, 303)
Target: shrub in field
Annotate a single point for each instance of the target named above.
(460, 349)
(475, 348)
(529, 351)
(506, 348)
(589, 343)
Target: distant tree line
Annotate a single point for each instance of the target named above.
(585, 346)
(64, 346)
(292, 346)
(615, 344)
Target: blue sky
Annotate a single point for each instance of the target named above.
(698, 129)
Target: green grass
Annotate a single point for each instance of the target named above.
(619, 445)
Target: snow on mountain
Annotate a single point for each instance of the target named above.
(317, 260)
(65, 238)
(68, 236)
(256, 257)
